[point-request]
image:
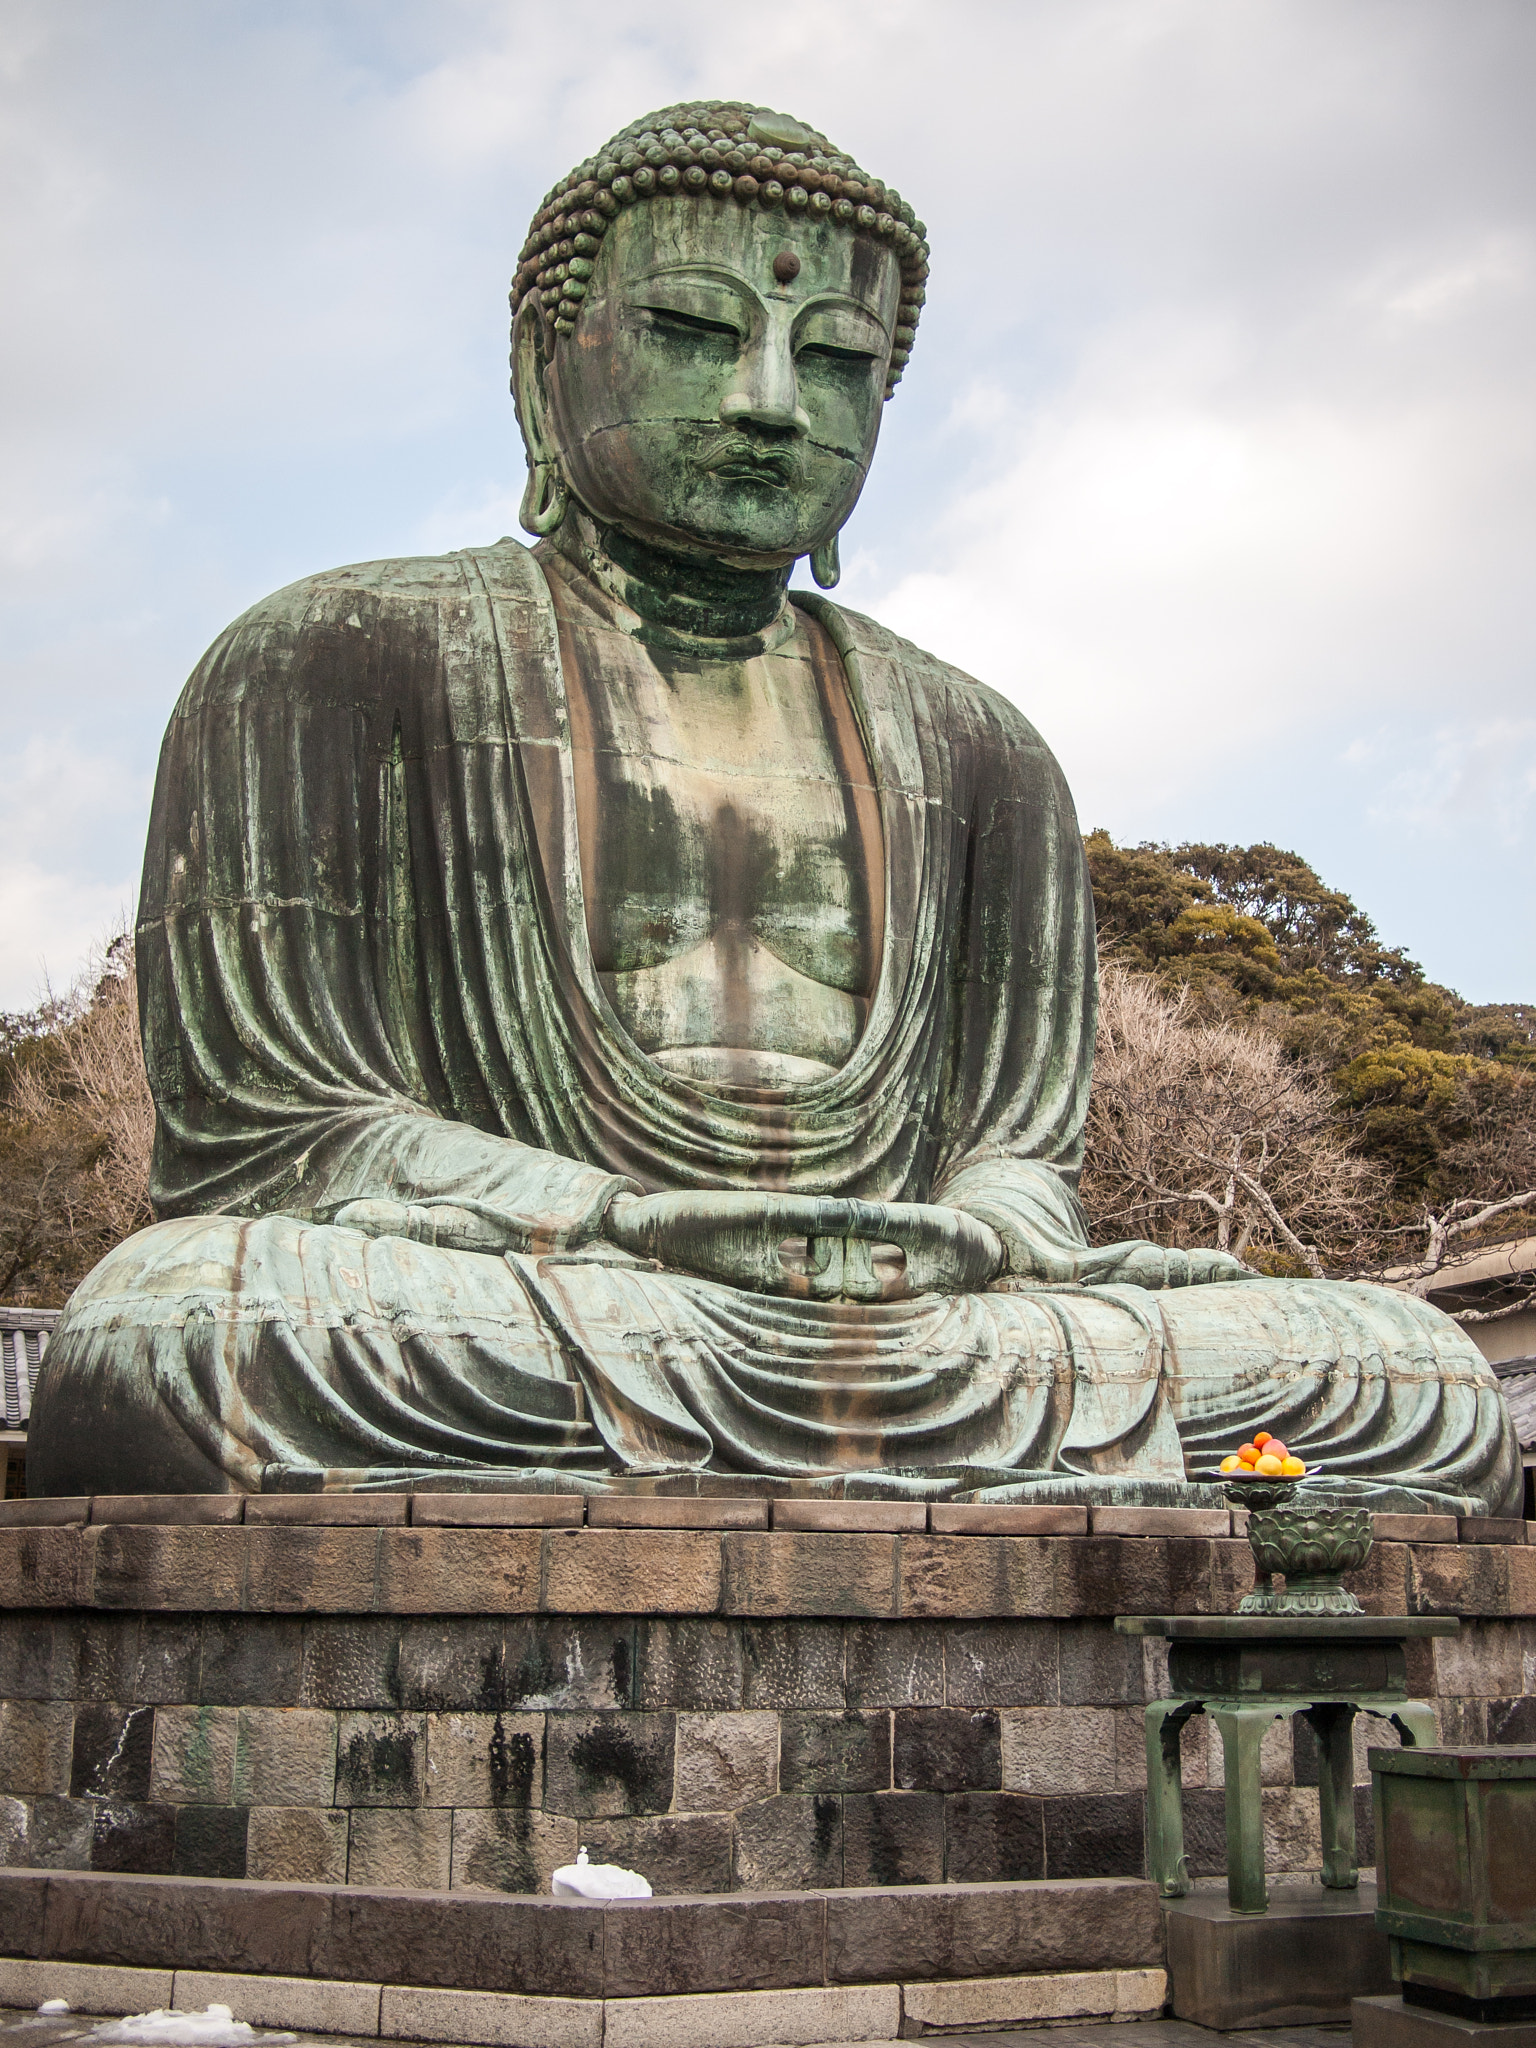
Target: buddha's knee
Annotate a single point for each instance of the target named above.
(99, 1423)
(167, 1263)
(101, 1419)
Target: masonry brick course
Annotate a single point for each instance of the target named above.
(194, 1754)
(517, 1849)
(408, 1848)
(210, 1841)
(816, 1709)
(466, 1968)
(484, 1760)
(677, 1854)
(847, 1751)
(745, 1796)
(893, 1838)
(603, 1764)
(285, 1756)
(36, 1746)
(725, 1761)
(297, 1845)
(378, 1760)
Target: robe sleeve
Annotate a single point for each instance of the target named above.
(1026, 973)
(304, 1026)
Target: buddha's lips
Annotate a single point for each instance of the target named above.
(734, 455)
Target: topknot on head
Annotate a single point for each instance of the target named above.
(730, 153)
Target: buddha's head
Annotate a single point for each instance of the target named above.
(707, 320)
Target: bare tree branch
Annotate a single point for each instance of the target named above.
(1206, 1133)
(1493, 1315)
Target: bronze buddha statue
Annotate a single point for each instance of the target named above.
(616, 1021)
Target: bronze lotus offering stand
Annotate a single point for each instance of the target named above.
(1310, 1541)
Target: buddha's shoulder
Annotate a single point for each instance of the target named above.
(369, 625)
(396, 584)
(957, 702)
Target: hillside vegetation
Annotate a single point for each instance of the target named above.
(1432, 1098)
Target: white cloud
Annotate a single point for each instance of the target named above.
(52, 914)
(1218, 449)
(1480, 776)
(1171, 570)
(1502, 265)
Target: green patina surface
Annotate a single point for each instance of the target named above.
(608, 1017)
(1247, 1671)
(1457, 1882)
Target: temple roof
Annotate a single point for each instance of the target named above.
(1517, 1378)
(23, 1339)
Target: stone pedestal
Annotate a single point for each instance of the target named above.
(456, 1691)
(1392, 2023)
(1299, 1964)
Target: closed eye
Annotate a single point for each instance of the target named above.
(835, 354)
(694, 323)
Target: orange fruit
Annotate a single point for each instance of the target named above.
(1260, 1438)
(1247, 1450)
(1293, 1468)
(1268, 1467)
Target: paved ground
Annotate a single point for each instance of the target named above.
(1147, 2034)
(27, 2030)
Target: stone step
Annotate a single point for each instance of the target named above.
(651, 1973)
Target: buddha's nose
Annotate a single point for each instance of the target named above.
(766, 393)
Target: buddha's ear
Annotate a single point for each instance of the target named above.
(546, 495)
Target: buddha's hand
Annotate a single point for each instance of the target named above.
(449, 1226)
(820, 1246)
(946, 1251)
(1136, 1264)
(726, 1235)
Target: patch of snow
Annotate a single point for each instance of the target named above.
(216, 2027)
(51, 2008)
(584, 1880)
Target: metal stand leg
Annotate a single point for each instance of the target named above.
(1334, 1725)
(1165, 1796)
(1414, 1721)
(1242, 1732)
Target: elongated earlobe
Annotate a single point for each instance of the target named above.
(544, 499)
(825, 566)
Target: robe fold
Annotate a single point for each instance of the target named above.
(365, 976)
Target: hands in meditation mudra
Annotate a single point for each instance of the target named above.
(610, 1019)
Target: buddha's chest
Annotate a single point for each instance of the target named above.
(730, 855)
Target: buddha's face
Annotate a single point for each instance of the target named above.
(723, 386)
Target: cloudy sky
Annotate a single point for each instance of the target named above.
(1217, 452)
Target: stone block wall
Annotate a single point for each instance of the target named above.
(822, 1709)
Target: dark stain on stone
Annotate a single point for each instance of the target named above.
(504, 1861)
(827, 1812)
(622, 1674)
(535, 1677)
(883, 1849)
(492, 1696)
(512, 1761)
(608, 1750)
(382, 1761)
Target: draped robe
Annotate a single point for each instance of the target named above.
(365, 975)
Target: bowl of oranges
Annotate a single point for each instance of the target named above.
(1263, 1457)
(1262, 1473)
